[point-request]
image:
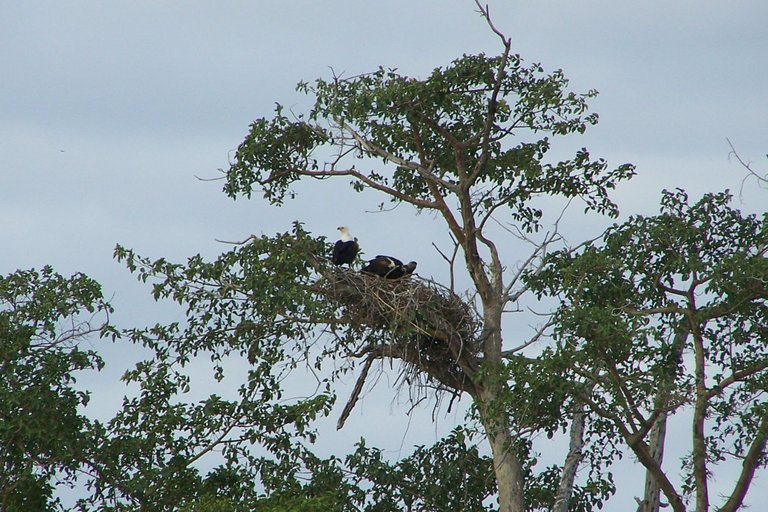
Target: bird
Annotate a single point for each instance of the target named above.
(388, 267)
(345, 249)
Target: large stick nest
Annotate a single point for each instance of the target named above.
(427, 326)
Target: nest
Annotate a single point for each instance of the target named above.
(425, 325)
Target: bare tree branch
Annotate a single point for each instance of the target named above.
(536, 337)
(451, 261)
(736, 376)
(493, 101)
(746, 165)
(357, 389)
(572, 461)
(363, 178)
(749, 466)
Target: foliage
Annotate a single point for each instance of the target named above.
(450, 475)
(471, 142)
(667, 314)
(664, 314)
(440, 135)
(44, 436)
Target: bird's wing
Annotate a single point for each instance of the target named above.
(389, 260)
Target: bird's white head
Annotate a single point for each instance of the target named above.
(345, 236)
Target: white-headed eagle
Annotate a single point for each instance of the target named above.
(345, 249)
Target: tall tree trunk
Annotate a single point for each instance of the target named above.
(506, 464)
(572, 461)
(652, 498)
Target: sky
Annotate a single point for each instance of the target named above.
(111, 113)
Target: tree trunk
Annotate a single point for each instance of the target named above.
(506, 465)
(572, 461)
(652, 498)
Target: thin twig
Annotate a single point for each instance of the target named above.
(748, 167)
(252, 237)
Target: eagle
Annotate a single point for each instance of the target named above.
(345, 249)
(388, 267)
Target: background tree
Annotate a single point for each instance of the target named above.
(45, 439)
(667, 316)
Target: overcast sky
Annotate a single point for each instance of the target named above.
(109, 111)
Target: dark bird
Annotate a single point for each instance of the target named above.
(345, 249)
(388, 267)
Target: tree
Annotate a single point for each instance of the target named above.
(662, 314)
(445, 144)
(667, 315)
(44, 437)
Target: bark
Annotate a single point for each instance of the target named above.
(572, 461)
(506, 464)
(699, 417)
(643, 453)
(652, 498)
